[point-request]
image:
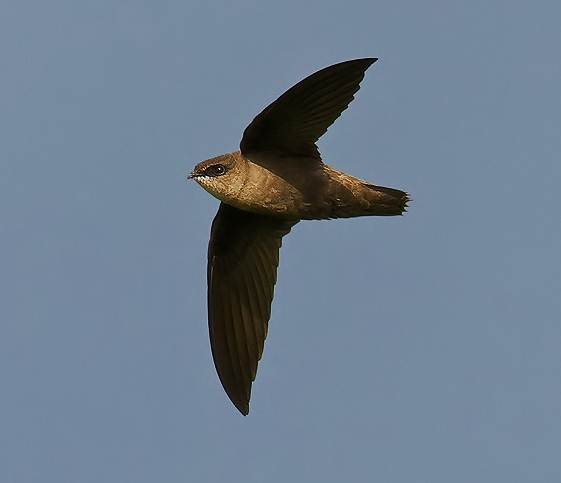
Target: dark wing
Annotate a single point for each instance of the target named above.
(296, 120)
(243, 256)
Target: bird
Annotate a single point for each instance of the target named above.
(276, 179)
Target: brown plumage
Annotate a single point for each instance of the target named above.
(276, 180)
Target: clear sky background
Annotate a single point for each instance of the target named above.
(420, 348)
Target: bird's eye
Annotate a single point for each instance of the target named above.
(216, 170)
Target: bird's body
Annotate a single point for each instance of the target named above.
(273, 182)
(297, 188)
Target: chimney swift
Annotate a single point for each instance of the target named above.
(274, 181)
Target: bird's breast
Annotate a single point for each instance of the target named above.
(289, 187)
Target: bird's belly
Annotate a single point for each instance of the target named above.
(285, 188)
(270, 195)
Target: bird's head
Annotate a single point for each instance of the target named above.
(222, 176)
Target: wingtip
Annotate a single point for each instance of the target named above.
(366, 60)
(240, 401)
(243, 408)
(370, 60)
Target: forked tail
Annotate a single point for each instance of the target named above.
(385, 201)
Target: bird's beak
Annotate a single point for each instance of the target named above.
(191, 175)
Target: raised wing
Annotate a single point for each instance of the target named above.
(294, 122)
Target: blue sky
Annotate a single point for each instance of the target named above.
(418, 348)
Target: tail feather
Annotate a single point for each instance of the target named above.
(385, 201)
(350, 197)
(365, 199)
